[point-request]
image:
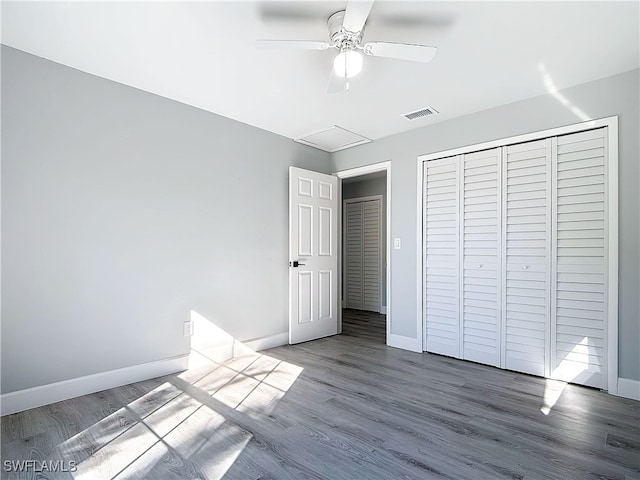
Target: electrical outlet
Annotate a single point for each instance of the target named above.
(188, 329)
(396, 243)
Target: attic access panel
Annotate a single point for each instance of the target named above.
(333, 139)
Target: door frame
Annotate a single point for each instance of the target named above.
(345, 202)
(357, 172)
(611, 330)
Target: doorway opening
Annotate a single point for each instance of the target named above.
(364, 252)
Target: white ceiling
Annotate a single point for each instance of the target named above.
(203, 54)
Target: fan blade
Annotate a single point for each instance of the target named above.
(403, 51)
(291, 45)
(337, 84)
(356, 15)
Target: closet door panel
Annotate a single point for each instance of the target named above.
(526, 257)
(579, 272)
(353, 256)
(371, 247)
(480, 214)
(441, 256)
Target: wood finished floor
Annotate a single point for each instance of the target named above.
(344, 407)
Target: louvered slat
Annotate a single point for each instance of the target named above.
(578, 314)
(480, 260)
(526, 256)
(441, 250)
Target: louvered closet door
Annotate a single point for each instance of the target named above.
(371, 255)
(527, 236)
(441, 254)
(353, 256)
(579, 308)
(480, 235)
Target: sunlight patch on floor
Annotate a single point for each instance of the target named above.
(174, 427)
(552, 391)
(569, 369)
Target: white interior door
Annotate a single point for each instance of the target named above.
(480, 248)
(578, 313)
(313, 255)
(526, 260)
(441, 256)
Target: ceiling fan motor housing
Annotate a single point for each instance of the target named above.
(341, 38)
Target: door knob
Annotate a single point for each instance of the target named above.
(295, 264)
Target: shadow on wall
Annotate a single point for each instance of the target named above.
(190, 424)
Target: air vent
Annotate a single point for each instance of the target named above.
(424, 112)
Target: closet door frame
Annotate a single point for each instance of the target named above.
(345, 202)
(611, 330)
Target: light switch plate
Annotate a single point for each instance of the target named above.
(396, 243)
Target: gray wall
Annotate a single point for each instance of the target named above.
(616, 95)
(372, 185)
(121, 212)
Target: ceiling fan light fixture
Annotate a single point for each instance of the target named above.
(346, 29)
(348, 63)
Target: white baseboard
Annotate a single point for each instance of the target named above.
(55, 392)
(270, 341)
(405, 343)
(629, 388)
(383, 310)
(231, 347)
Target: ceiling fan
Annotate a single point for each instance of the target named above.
(345, 34)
